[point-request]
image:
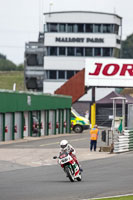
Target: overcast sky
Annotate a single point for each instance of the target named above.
(20, 20)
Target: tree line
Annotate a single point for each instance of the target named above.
(127, 47)
(7, 65)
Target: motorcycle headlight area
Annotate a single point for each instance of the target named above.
(64, 160)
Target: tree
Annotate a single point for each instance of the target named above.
(2, 56)
(20, 67)
(127, 47)
(6, 65)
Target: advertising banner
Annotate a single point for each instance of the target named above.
(104, 72)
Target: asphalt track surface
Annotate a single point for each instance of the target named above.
(108, 176)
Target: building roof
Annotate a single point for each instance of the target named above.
(59, 12)
(81, 107)
(107, 99)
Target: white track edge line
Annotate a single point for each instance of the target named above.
(124, 195)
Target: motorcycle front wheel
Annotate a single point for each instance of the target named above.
(69, 173)
(79, 178)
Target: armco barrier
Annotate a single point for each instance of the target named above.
(124, 142)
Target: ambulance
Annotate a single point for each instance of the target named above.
(78, 123)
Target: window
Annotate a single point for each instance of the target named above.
(80, 28)
(52, 74)
(116, 29)
(104, 28)
(52, 27)
(45, 28)
(111, 52)
(70, 28)
(88, 51)
(97, 28)
(118, 41)
(97, 51)
(76, 72)
(107, 28)
(72, 116)
(70, 51)
(48, 27)
(70, 74)
(89, 28)
(62, 28)
(79, 51)
(112, 28)
(106, 52)
(32, 59)
(62, 51)
(53, 51)
(46, 74)
(61, 74)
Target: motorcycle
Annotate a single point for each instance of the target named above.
(70, 167)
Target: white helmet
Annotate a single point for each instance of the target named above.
(63, 144)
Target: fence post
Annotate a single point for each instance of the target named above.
(55, 118)
(22, 125)
(13, 124)
(3, 129)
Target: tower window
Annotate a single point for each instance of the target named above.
(62, 28)
(62, 51)
(70, 51)
(89, 28)
(61, 74)
(106, 51)
(97, 28)
(70, 74)
(52, 74)
(88, 51)
(53, 51)
(70, 28)
(79, 51)
(80, 28)
(97, 52)
(52, 27)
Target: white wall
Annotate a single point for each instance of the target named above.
(64, 63)
(50, 87)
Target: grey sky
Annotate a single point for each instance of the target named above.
(20, 20)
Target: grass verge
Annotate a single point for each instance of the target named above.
(8, 78)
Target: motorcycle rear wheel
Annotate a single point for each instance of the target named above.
(69, 173)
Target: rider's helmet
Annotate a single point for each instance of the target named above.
(63, 144)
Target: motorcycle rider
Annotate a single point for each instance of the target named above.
(70, 150)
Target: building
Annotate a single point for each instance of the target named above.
(29, 114)
(104, 109)
(34, 64)
(72, 36)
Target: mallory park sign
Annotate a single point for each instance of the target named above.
(109, 72)
(79, 40)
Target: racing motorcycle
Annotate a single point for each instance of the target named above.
(70, 167)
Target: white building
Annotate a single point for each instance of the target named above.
(72, 36)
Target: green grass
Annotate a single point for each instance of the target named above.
(118, 198)
(8, 78)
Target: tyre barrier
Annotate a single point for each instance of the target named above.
(124, 142)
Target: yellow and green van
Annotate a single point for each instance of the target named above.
(78, 123)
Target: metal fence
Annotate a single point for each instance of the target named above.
(106, 120)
